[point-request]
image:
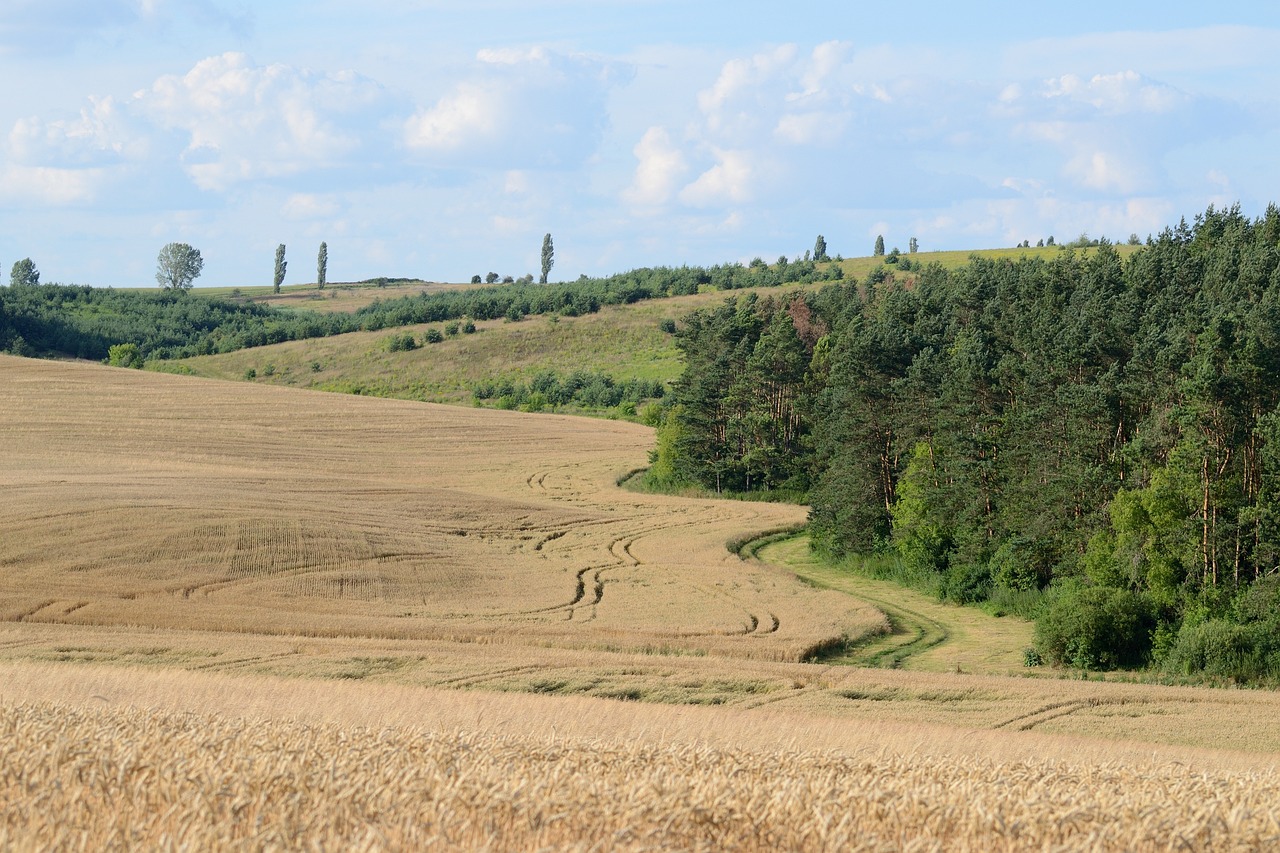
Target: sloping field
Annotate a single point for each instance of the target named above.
(136, 499)
(235, 616)
(624, 341)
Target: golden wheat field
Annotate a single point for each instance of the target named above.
(237, 616)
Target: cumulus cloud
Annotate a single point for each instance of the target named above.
(519, 109)
(660, 168)
(729, 180)
(102, 134)
(244, 121)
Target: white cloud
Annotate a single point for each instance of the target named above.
(245, 122)
(660, 169)
(102, 134)
(1116, 94)
(729, 180)
(45, 186)
(520, 109)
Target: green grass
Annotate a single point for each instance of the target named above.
(927, 634)
(624, 341)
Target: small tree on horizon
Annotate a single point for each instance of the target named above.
(913, 245)
(879, 249)
(548, 258)
(178, 266)
(281, 265)
(24, 272)
(820, 249)
(322, 265)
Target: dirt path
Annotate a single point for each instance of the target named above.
(927, 635)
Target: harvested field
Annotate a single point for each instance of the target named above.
(138, 499)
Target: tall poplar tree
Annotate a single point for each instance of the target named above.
(548, 258)
(322, 265)
(281, 264)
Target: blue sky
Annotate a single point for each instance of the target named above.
(440, 138)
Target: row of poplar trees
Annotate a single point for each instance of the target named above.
(1095, 437)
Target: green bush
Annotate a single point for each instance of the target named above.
(433, 336)
(1222, 649)
(1096, 628)
(401, 342)
(125, 355)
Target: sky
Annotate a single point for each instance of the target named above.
(440, 139)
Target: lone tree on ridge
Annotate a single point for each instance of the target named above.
(820, 248)
(879, 250)
(322, 265)
(178, 266)
(24, 272)
(281, 265)
(548, 258)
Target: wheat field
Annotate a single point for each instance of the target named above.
(244, 617)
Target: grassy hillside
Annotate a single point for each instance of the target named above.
(623, 341)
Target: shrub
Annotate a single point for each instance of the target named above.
(1223, 649)
(125, 355)
(668, 325)
(401, 342)
(468, 328)
(1096, 628)
(451, 328)
(433, 336)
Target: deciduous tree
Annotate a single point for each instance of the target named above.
(322, 265)
(281, 265)
(24, 272)
(178, 266)
(548, 257)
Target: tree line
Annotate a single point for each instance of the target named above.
(85, 322)
(1090, 441)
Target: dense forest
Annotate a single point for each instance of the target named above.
(1091, 441)
(85, 322)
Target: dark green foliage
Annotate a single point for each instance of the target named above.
(820, 249)
(1096, 628)
(84, 322)
(1012, 428)
(581, 389)
(668, 325)
(322, 266)
(879, 247)
(433, 336)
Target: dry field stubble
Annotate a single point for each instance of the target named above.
(138, 499)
